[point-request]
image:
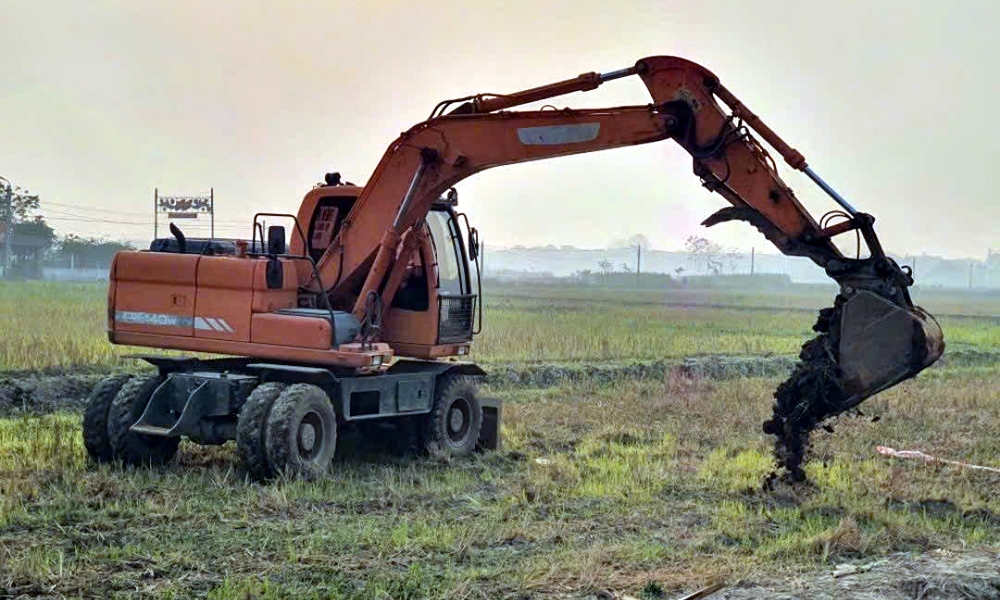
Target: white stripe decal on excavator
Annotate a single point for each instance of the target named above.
(219, 324)
(165, 320)
(552, 135)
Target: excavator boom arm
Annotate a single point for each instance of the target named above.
(481, 134)
(872, 338)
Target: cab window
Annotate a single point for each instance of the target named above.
(448, 251)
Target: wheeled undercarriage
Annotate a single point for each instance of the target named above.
(286, 419)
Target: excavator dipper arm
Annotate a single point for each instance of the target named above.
(481, 134)
(871, 339)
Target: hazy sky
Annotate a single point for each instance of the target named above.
(894, 103)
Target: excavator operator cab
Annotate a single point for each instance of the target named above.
(440, 287)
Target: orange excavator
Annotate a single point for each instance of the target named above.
(358, 319)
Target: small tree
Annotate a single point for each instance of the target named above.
(90, 252)
(23, 203)
(606, 267)
(704, 253)
(32, 236)
(32, 240)
(586, 275)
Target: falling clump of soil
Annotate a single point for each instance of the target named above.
(808, 397)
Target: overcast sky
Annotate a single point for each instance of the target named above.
(894, 103)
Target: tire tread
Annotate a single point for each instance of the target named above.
(133, 448)
(280, 423)
(436, 429)
(251, 429)
(95, 418)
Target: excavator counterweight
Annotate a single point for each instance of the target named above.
(347, 322)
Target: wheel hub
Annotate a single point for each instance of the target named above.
(307, 437)
(456, 419)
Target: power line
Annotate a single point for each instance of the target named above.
(68, 216)
(81, 219)
(100, 218)
(93, 208)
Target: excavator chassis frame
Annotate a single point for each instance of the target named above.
(202, 399)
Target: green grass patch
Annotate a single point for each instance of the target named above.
(646, 485)
(63, 325)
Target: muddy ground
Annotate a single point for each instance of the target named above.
(40, 393)
(937, 575)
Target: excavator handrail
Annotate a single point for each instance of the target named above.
(306, 257)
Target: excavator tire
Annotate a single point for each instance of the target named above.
(135, 448)
(95, 418)
(301, 432)
(251, 429)
(810, 395)
(452, 427)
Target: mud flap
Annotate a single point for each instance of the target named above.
(489, 434)
(882, 344)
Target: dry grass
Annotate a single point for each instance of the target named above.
(642, 486)
(60, 326)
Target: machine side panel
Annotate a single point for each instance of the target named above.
(225, 294)
(155, 293)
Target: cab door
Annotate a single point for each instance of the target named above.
(431, 314)
(456, 304)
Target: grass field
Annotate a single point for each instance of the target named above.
(638, 489)
(50, 325)
(646, 488)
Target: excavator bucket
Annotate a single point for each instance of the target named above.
(866, 344)
(882, 344)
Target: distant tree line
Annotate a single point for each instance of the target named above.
(35, 242)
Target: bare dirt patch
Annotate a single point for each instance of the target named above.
(43, 392)
(936, 575)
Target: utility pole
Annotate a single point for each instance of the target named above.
(156, 212)
(8, 234)
(638, 263)
(211, 208)
(751, 260)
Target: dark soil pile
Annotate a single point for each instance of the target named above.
(937, 575)
(42, 394)
(808, 397)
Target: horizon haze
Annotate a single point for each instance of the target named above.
(106, 101)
